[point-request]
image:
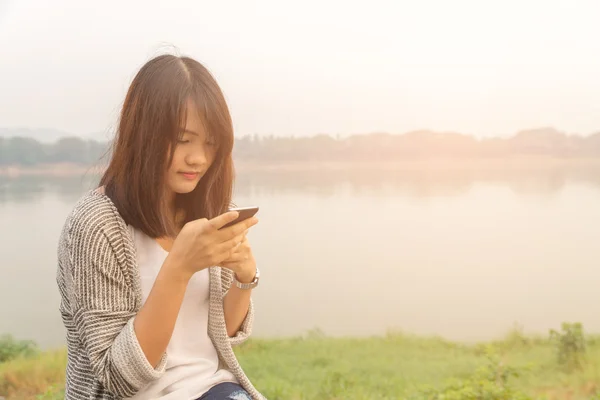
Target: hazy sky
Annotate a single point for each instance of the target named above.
(476, 66)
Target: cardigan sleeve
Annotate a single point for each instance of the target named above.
(103, 307)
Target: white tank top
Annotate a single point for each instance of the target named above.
(192, 362)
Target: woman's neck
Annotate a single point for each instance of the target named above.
(174, 214)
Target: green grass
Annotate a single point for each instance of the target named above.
(395, 366)
(326, 368)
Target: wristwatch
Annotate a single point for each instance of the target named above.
(246, 286)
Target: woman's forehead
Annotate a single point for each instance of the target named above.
(193, 120)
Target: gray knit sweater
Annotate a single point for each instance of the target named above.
(100, 289)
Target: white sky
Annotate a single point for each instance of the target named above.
(476, 66)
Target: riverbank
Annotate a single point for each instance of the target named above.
(395, 366)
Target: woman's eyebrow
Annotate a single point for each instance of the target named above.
(190, 131)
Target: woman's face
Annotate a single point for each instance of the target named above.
(194, 154)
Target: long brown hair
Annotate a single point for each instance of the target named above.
(149, 127)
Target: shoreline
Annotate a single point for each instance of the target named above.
(506, 163)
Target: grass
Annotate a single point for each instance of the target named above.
(39, 376)
(326, 368)
(396, 366)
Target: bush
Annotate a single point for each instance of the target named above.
(489, 382)
(570, 345)
(11, 348)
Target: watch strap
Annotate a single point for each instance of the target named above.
(247, 286)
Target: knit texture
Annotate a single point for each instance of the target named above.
(99, 283)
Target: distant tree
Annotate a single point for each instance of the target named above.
(22, 151)
(364, 148)
(3, 150)
(70, 150)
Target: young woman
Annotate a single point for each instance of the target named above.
(154, 293)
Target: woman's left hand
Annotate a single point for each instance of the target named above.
(242, 262)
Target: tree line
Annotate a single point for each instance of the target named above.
(379, 147)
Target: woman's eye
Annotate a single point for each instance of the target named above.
(183, 141)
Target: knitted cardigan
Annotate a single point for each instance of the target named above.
(100, 290)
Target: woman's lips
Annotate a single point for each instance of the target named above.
(190, 175)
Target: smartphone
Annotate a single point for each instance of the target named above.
(244, 213)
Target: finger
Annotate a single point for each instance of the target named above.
(229, 247)
(241, 248)
(236, 257)
(221, 220)
(238, 240)
(237, 229)
(243, 241)
(238, 244)
(229, 259)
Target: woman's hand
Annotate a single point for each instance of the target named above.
(202, 244)
(242, 262)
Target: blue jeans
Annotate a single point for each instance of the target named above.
(226, 391)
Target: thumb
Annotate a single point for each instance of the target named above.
(220, 221)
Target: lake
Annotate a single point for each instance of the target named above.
(464, 253)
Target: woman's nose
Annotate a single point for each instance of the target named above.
(197, 157)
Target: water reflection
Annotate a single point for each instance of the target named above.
(420, 183)
(30, 188)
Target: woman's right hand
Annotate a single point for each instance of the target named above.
(202, 243)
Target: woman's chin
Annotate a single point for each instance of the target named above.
(185, 188)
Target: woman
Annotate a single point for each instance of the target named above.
(153, 293)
